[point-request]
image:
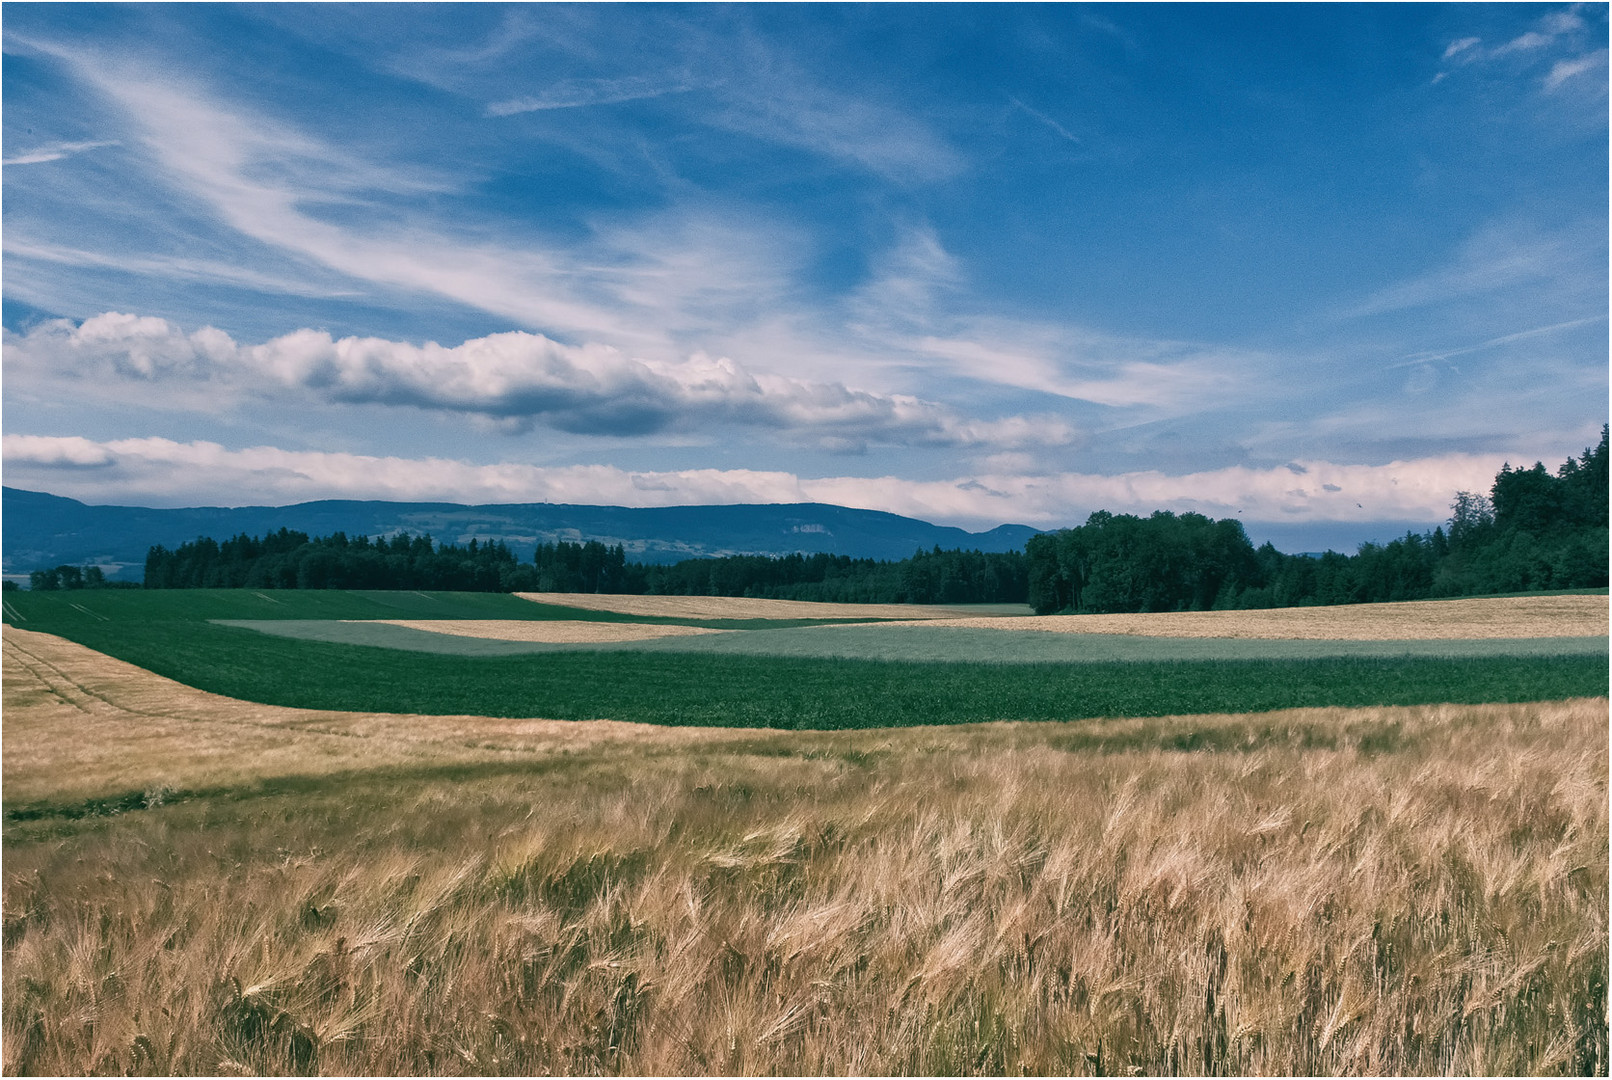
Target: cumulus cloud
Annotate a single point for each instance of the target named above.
(155, 471)
(516, 377)
(50, 452)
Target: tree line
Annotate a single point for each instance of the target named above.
(294, 560)
(1534, 530)
(72, 577)
(927, 577)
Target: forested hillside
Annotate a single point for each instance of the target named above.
(1534, 530)
(927, 577)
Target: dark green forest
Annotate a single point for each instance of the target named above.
(1534, 530)
(928, 577)
(293, 560)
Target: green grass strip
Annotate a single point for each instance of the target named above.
(43, 610)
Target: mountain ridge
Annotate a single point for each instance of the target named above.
(39, 530)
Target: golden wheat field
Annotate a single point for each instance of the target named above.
(1315, 891)
(80, 724)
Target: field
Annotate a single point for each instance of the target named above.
(294, 855)
(343, 651)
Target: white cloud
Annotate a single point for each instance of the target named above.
(156, 471)
(769, 97)
(168, 266)
(1165, 378)
(902, 310)
(1549, 31)
(264, 179)
(1495, 258)
(514, 376)
(907, 283)
(660, 288)
(1554, 25)
(647, 286)
(1504, 339)
(55, 152)
(1563, 70)
(579, 93)
(750, 85)
(50, 452)
(1048, 121)
(1523, 43)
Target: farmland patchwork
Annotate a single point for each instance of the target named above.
(364, 834)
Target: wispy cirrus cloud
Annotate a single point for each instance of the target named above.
(1496, 342)
(516, 378)
(266, 179)
(1161, 377)
(212, 271)
(758, 89)
(156, 471)
(1047, 121)
(1499, 258)
(56, 152)
(1553, 33)
(648, 284)
(1547, 31)
(581, 93)
(1563, 70)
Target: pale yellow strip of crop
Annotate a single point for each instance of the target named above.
(1501, 617)
(743, 607)
(560, 632)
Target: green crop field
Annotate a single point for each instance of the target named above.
(170, 633)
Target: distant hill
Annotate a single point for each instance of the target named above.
(41, 530)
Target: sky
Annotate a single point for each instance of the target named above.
(1317, 267)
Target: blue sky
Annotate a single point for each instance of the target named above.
(1316, 266)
